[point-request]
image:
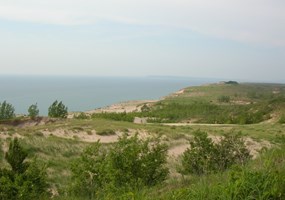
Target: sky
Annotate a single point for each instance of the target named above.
(237, 39)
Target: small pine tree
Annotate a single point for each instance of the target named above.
(16, 156)
(26, 179)
(7, 111)
(33, 111)
(57, 110)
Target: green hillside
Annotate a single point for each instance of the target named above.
(253, 112)
(223, 104)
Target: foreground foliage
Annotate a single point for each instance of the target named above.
(205, 156)
(261, 179)
(129, 165)
(25, 180)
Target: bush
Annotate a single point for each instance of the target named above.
(127, 166)
(57, 110)
(224, 99)
(135, 162)
(145, 108)
(81, 115)
(7, 111)
(229, 151)
(204, 156)
(199, 158)
(33, 111)
(282, 119)
(89, 172)
(106, 132)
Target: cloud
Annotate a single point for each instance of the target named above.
(250, 21)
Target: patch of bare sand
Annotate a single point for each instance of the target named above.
(241, 102)
(80, 135)
(129, 106)
(92, 136)
(5, 135)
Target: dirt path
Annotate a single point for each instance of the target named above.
(200, 124)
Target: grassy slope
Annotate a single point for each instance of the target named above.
(249, 103)
(58, 153)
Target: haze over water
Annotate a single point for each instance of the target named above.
(86, 93)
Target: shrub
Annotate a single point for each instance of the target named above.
(231, 150)
(81, 115)
(198, 159)
(57, 110)
(224, 99)
(127, 166)
(89, 171)
(145, 108)
(7, 111)
(33, 111)
(106, 132)
(135, 162)
(204, 156)
(282, 119)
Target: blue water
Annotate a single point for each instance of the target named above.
(86, 93)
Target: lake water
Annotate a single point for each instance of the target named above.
(86, 93)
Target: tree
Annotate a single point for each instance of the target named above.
(16, 156)
(7, 111)
(57, 110)
(33, 111)
(26, 180)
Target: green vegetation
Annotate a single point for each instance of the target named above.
(128, 117)
(204, 112)
(228, 103)
(7, 111)
(261, 179)
(224, 99)
(231, 82)
(26, 180)
(33, 111)
(135, 166)
(126, 167)
(57, 110)
(204, 156)
(282, 119)
(106, 132)
(81, 115)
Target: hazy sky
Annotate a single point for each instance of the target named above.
(233, 39)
